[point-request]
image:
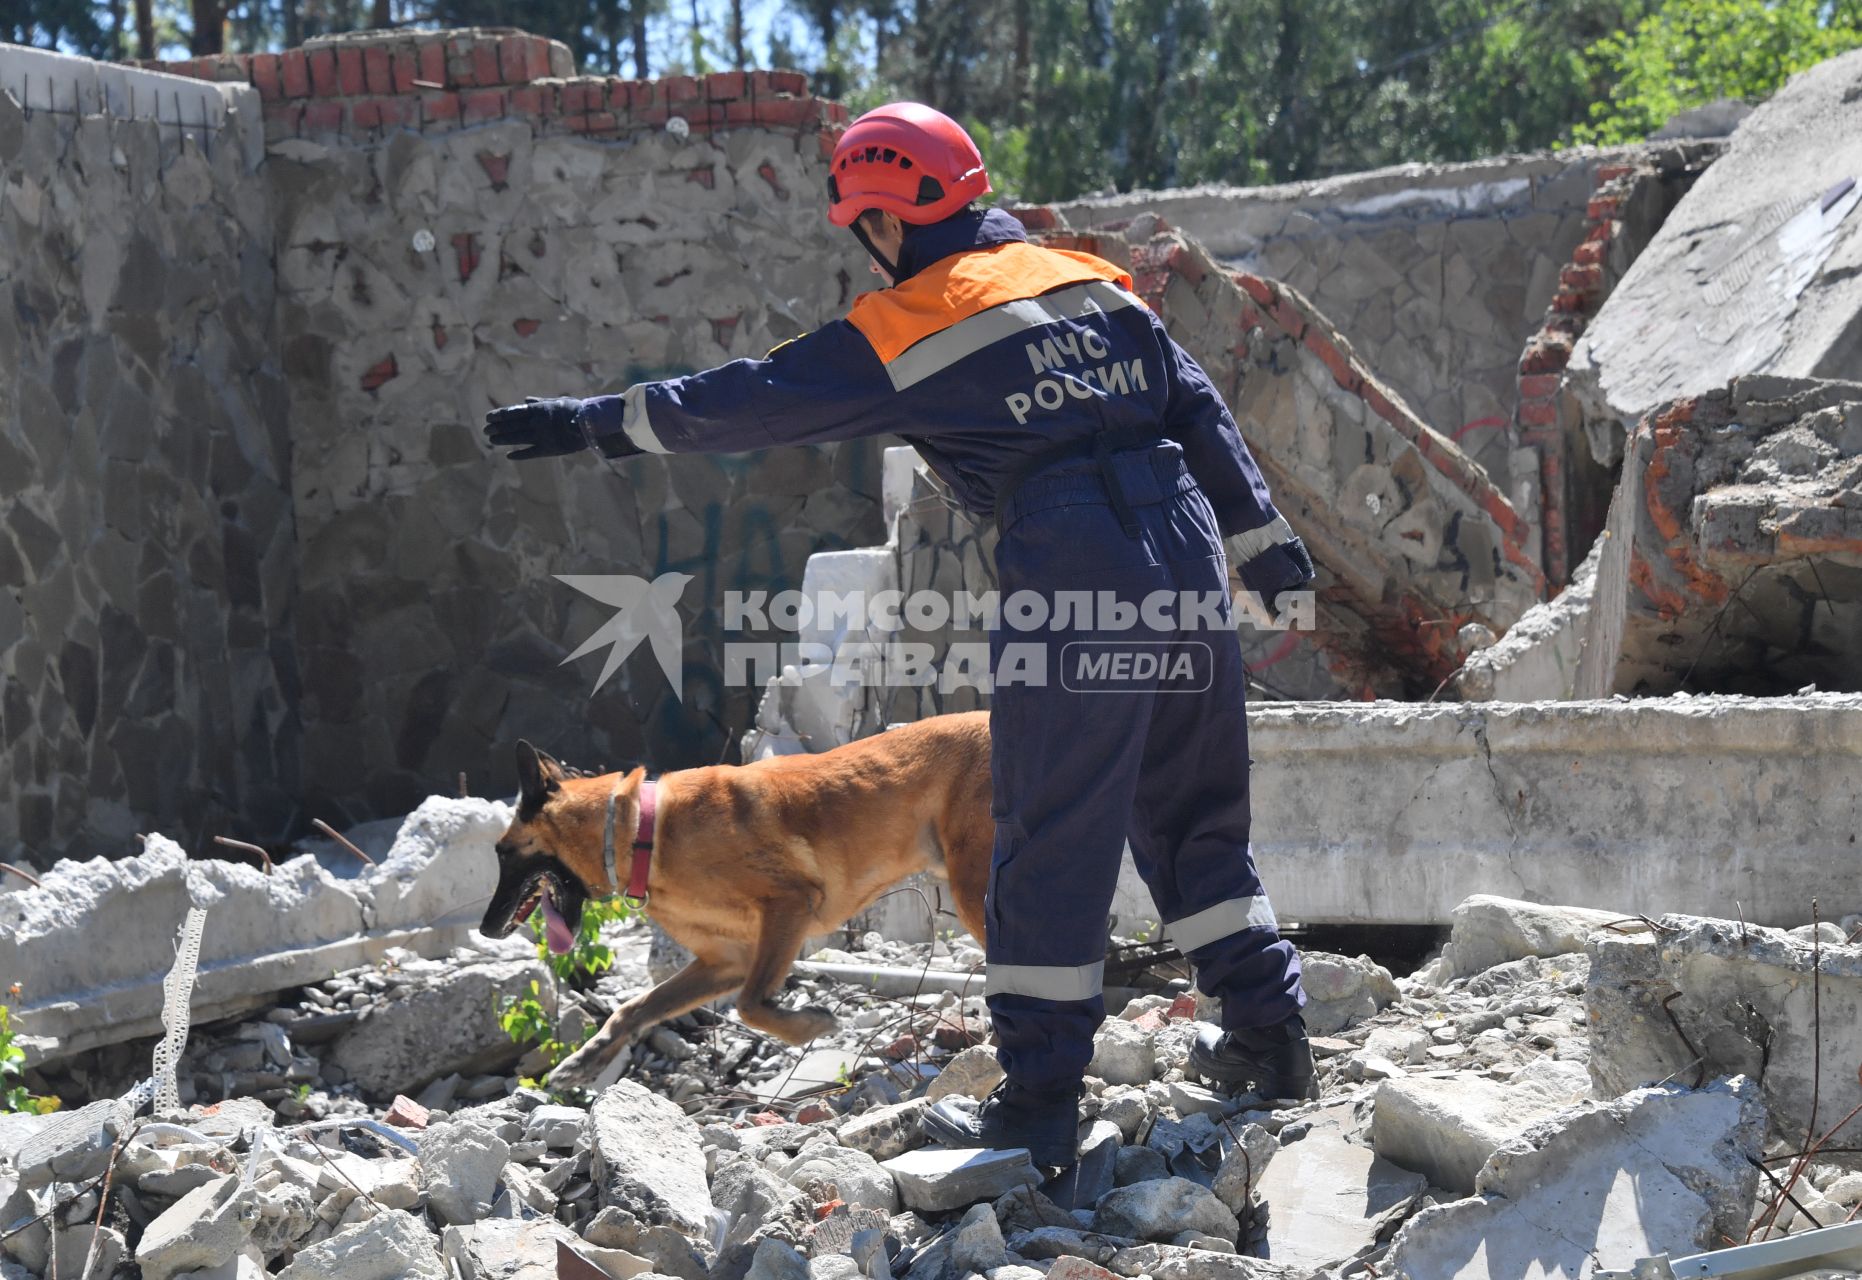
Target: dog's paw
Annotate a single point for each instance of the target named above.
(595, 1064)
(812, 1021)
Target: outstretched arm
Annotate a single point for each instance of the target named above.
(826, 385)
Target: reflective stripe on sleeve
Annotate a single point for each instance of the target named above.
(1243, 547)
(1223, 920)
(1045, 981)
(636, 425)
(967, 337)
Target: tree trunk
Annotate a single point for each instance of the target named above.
(208, 20)
(145, 29)
(738, 57)
(116, 31)
(638, 12)
(293, 26)
(383, 15)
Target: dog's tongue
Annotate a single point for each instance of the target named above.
(556, 929)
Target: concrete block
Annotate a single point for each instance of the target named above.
(1447, 1128)
(1656, 1171)
(647, 1159)
(934, 1180)
(1489, 931)
(1328, 1200)
(1748, 1002)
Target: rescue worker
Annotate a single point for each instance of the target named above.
(1049, 397)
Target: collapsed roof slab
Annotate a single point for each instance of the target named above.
(1758, 270)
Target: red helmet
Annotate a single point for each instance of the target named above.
(904, 158)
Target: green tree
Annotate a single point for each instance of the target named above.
(1692, 52)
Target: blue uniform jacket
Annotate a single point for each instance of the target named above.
(987, 354)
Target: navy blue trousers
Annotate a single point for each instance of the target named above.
(1090, 750)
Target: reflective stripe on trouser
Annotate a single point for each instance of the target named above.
(1076, 772)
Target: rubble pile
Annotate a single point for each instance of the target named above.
(1521, 1096)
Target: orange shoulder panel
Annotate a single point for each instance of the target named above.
(966, 283)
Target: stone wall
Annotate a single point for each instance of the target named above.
(259, 566)
(148, 670)
(459, 223)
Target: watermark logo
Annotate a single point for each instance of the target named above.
(644, 610)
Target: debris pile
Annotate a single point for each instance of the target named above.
(1535, 1091)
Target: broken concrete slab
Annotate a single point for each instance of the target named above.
(422, 1031)
(1757, 270)
(204, 1228)
(89, 946)
(935, 1180)
(1656, 1171)
(855, 1176)
(506, 1248)
(1446, 1128)
(1330, 1200)
(887, 1131)
(1746, 997)
(461, 1162)
(1488, 930)
(647, 1159)
(1537, 659)
(1733, 555)
(388, 1246)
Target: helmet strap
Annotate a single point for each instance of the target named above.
(891, 268)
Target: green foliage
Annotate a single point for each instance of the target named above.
(14, 1096)
(590, 956)
(533, 1019)
(1692, 52)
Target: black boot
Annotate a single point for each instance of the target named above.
(1047, 1124)
(1275, 1062)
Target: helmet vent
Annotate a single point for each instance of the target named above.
(930, 191)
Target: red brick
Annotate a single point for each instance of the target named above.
(737, 111)
(294, 73)
(1603, 207)
(539, 62)
(1601, 231)
(432, 62)
(1182, 1007)
(526, 100)
(265, 76)
(620, 96)
(593, 122)
(788, 113)
(1538, 413)
(323, 81)
(1567, 301)
(814, 1113)
(438, 108)
(1545, 357)
(1590, 254)
(767, 172)
(1184, 263)
(1333, 359)
(514, 59)
(724, 86)
(837, 114)
(407, 1114)
(481, 105)
(404, 69)
(384, 113)
(495, 167)
(1256, 288)
(789, 82)
(380, 373)
(283, 119)
(1585, 279)
(764, 1119)
(680, 89)
(349, 75)
(1287, 317)
(366, 115)
(485, 72)
(377, 70)
(323, 117)
(525, 326)
(1538, 384)
(1611, 172)
(1379, 403)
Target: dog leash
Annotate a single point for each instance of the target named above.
(636, 892)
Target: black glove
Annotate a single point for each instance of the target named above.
(537, 428)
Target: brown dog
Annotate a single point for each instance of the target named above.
(748, 861)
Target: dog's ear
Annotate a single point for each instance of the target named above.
(538, 777)
(631, 783)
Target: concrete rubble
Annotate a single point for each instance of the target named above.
(1495, 1105)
